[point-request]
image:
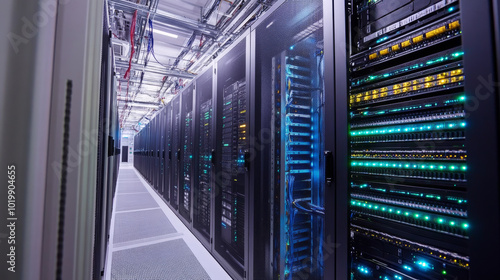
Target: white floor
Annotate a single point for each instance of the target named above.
(209, 264)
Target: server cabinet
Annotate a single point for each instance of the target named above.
(176, 152)
(186, 155)
(481, 44)
(202, 165)
(155, 141)
(289, 60)
(162, 116)
(157, 152)
(147, 170)
(168, 151)
(408, 158)
(232, 159)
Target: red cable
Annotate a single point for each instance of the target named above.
(132, 32)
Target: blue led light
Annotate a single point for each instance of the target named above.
(423, 264)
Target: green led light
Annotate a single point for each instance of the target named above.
(407, 214)
(399, 212)
(411, 165)
(444, 272)
(440, 221)
(417, 215)
(465, 225)
(452, 223)
(426, 218)
(462, 98)
(408, 128)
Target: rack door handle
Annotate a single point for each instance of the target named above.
(213, 155)
(247, 160)
(329, 172)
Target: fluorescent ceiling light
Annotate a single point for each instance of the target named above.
(165, 33)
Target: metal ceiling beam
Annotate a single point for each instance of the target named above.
(167, 18)
(155, 70)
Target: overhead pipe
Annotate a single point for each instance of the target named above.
(168, 18)
(205, 17)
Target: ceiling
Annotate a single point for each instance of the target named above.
(161, 45)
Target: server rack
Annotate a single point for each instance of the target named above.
(203, 163)
(162, 116)
(176, 152)
(409, 141)
(149, 152)
(157, 151)
(168, 150)
(289, 71)
(107, 162)
(186, 154)
(481, 43)
(154, 164)
(232, 159)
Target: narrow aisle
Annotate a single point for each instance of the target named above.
(147, 240)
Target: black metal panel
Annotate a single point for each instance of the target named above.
(162, 116)
(289, 77)
(186, 142)
(203, 144)
(175, 171)
(232, 146)
(168, 151)
(481, 41)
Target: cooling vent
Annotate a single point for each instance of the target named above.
(121, 48)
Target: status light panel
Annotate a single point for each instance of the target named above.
(408, 166)
(234, 146)
(202, 213)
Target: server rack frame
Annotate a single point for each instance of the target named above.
(168, 152)
(334, 151)
(162, 115)
(248, 253)
(176, 150)
(481, 42)
(197, 103)
(186, 95)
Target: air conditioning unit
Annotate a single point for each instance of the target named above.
(121, 48)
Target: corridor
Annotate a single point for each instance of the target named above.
(148, 241)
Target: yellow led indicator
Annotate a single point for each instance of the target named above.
(395, 48)
(418, 39)
(384, 51)
(443, 82)
(454, 25)
(429, 79)
(372, 56)
(405, 44)
(243, 125)
(456, 72)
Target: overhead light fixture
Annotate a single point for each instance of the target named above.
(175, 36)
